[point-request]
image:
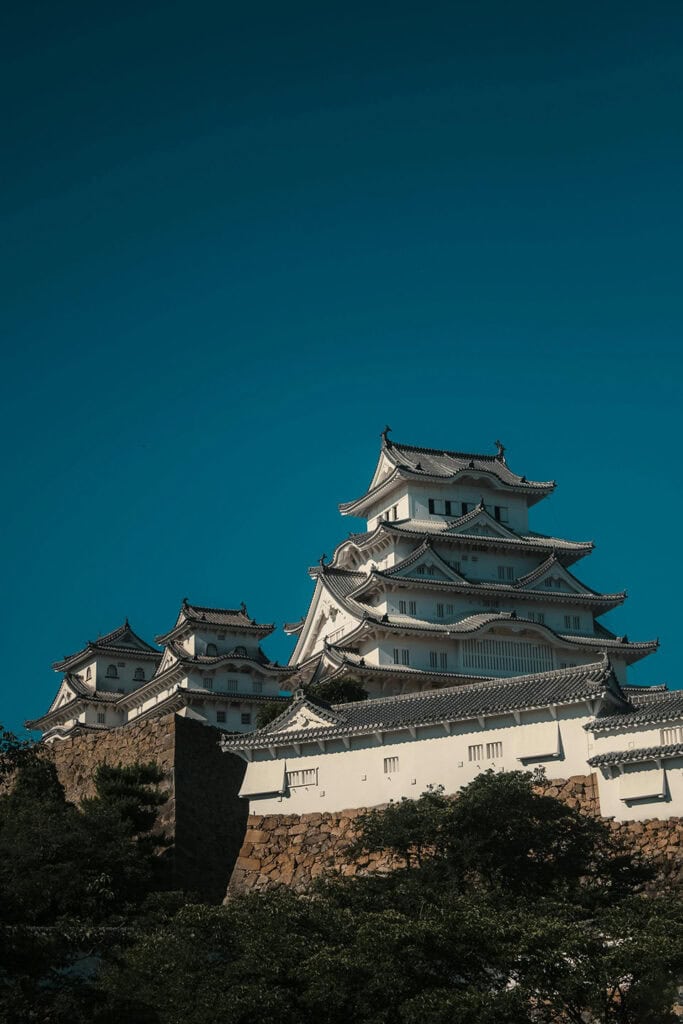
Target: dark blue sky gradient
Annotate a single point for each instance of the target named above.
(238, 240)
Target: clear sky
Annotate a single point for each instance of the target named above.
(239, 239)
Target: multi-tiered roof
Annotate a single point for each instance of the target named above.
(448, 583)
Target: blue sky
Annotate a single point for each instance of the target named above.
(240, 239)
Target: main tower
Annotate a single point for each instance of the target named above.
(448, 584)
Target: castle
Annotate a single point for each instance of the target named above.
(477, 646)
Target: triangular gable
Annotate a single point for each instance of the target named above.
(385, 467)
(301, 715)
(553, 577)
(168, 660)
(125, 639)
(323, 618)
(425, 564)
(479, 523)
(65, 693)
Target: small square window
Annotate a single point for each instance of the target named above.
(576, 622)
(101, 717)
(432, 659)
(412, 607)
(220, 716)
(494, 750)
(439, 611)
(208, 682)
(257, 686)
(475, 752)
(402, 607)
(245, 718)
(405, 657)
(390, 765)
(568, 621)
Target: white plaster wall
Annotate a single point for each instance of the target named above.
(356, 778)
(472, 493)
(611, 804)
(126, 672)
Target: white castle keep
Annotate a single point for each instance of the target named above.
(477, 645)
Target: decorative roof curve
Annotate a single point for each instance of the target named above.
(121, 641)
(196, 616)
(411, 462)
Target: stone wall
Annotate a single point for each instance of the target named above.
(203, 817)
(295, 849)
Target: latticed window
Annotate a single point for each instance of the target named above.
(513, 656)
(211, 650)
(390, 765)
(257, 686)
(674, 734)
(112, 672)
(494, 750)
(475, 752)
(220, 716)
(139, 675)
(101, 717)
(303, 777)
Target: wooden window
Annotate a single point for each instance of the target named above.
(439, 611)
(501, 572)
(396, 656)
(449, 609)
(257, 686)
(420, 570)
(208, 682)
(231, 685)
(475, 752)
(402, 606)
(568, 621)
(507, 656)
(674, 734)
(246, 718)
(241, 652)
(412, 607)
(139, 676)
(394, 512)
(112, 672)
(432, 659)
(220, 716)
(443, 659)
(494, 750)
(302, 777)
(576, 622)
(405, 656)
(101, 717)
(390, 765)
(88, 674)
(211, 650)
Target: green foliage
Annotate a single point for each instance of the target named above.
(511, 908)
(267, 713)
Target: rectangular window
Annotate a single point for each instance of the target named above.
(507, 657)
(494, 750)
(430, 504)
(449, 609)
(390, 765)
(576, 622)
(246, 718)
(394, 512)
(432, 659)
(443, 659)
(439, 611)
(437, 506)
(475, 752)
(231, 685)
(420, 570)
(101, 717)
(208, 682)
(451, 508)
(568, 621)
(396, 656)
(510, 572)
(671, 735)
(412, 607)
(303, 777)
(257, 686)
(501, 513)
(220, 716)
(501, 572)
(540, 617)
(463, 508)
(405, 657)
(402, 606)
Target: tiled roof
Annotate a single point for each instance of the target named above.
(642, 754)
(654, 707)
(451, 531)
(453, 704)
(122, 641)
(442, 465)
(197, 616)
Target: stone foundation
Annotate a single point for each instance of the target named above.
(294, 850)
(203, 817)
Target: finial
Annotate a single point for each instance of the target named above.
(385, 436)
(471, 464)
(500, 454)
(362, 663)
(243, 608)
(418, 465)
(321, 560)
(513, 614)
(185, 602)
(481, 502)
(126, 623)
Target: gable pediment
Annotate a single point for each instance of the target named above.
(553, 578)
(425, 565)
(481, 524)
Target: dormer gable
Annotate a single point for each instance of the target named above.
(425, 564)
(553, 577)
(480, 523)
(304, 714)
